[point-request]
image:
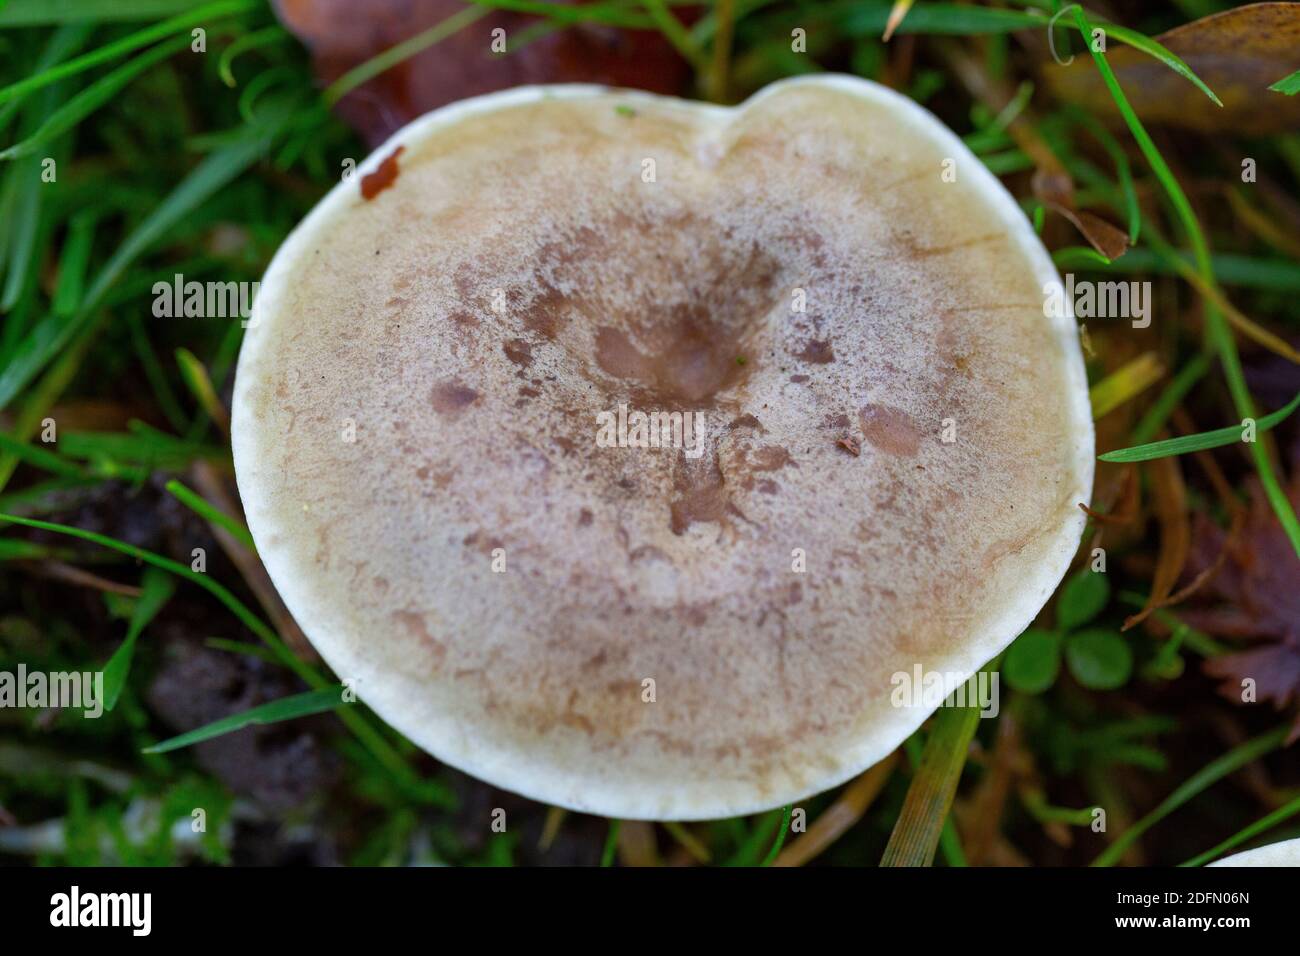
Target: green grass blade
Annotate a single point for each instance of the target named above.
(920, 824)
(1284, 812)
(209, 512)
(36, 403)
(775, 849)
(368, 735)
(163, 392)
(1218, 334)
(45, 497)
(140, 446)
(156, 589)
(250, 41)
(236, 607)
(610, 14)
(1252, 272)
(1123, 171)
(141, 38)
(73, 261)
(676, 34)
(389, 58)
(241, 647)
(22, 234)
(41, 458)
(65, 41)
(962, 20)
(200, 385)
(36, 13)
(611, 843)
(1200, 442)
(940, 18)
(216, 171)
(93, 97)
(287, 708)
(1079, 257)
(754, 838)
(1125, 384)
(1210, 774)
(1140, 41)
(949, 842)
(1169, 399)
(12, 549)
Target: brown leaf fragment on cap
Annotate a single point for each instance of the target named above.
(372, 184)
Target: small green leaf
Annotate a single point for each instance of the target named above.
(1290, 85)
(1168, 664)
(156, 588)
(1082, 599)
(1099, 659)
(1165, 668)
(286, 708)
(1033, 661)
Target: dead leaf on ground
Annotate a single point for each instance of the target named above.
(1109, 240)
(341, 37)
(1254, 597)
(1237, 53)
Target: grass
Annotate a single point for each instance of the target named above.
(165, 161)
(1218, 336)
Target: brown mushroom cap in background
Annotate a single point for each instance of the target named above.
(475, 435)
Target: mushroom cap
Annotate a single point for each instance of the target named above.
(889, 481)
(1285, 853)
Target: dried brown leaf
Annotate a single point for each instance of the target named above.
(341, 37)
(1237, 53)
(1254, 596)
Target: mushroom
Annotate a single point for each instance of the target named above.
(1285, 853)
(440, 431)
